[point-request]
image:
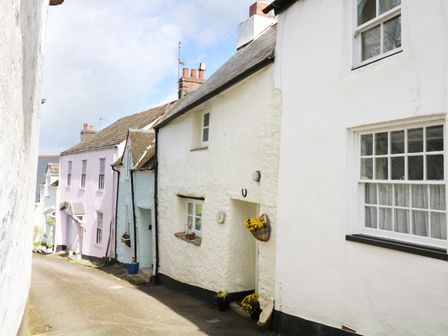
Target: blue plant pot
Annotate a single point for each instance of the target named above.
(133, 268)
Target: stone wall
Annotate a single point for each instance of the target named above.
(21, 55)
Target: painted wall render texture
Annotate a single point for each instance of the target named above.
(321, 276)
(244, 138)
(21, 55)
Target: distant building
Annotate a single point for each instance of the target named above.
(42, 165)
(21, 54)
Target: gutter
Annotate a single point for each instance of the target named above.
(133, 215)
(116, 210)
(155, 279)
(268, 60)
(278, 6)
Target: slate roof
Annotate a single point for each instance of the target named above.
(142, 149)
(245, 62)
(117, 132)
(53, 167)
(279, 6)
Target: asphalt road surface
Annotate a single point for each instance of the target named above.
(71, 299)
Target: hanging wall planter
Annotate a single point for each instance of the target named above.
(126, 239)
(259, 227)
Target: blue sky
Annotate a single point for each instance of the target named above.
(110, 58)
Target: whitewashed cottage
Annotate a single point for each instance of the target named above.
(362, 230)
(217, 155)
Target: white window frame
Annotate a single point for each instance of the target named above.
(359, 217)
(195, 203)
(69, 173)
(101, 173)
(203, 127)
(83, 173)
(378, 20)
(99, 228)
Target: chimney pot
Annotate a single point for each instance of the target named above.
(185, 72)
(87, 131)
(194, 73)
(201, 74)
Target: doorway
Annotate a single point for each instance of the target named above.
(145, 237)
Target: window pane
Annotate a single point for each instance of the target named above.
(434, 138)
(381, 143)
(190, 221)
(385, 194)
(386, 5)
(370, 193)
(420, 223)
(401, 221)
(190, 208)
(392, 34)
(398, 168)
(419, 196)
(370, 40)
(205, 134)
(385, 219)
(438, 225)
(366, 10)
(401, 195)
(366, 169)
(198, 224)
(371, 217)
(206, 119)
(199, 210)
(438, 201)
(397, 142)
(415, 140)
(434, 167)
(415, 167)
(381, 169)
(367, 144)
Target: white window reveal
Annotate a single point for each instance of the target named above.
(69, 173)
(99, 228)
(194, 216)
(205, 136)
(402, 184)
(83, 173)
(101, 174)
(378, 29)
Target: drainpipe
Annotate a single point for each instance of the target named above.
(156, 214)
(133, 215)
(116, 210)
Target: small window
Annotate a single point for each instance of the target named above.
(101, 174)
(205, 128)
(99, 228)
(83, 173)
(194, 216)
(378, 29)
(402, 181)
(69, 173)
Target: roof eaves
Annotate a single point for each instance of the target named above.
(279, 6)
(260, 65)
(70, 152)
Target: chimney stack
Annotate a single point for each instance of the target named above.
(190, 81)
(257, 22)
(87, 132)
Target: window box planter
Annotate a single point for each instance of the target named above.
(190, 236)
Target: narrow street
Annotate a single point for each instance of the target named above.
(70, 299)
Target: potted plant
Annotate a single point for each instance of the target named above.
(222, 299)
(251, 305)
(259, 227)
(133, 267)
(126, 239)
(189, 234)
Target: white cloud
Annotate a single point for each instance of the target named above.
(109, 58)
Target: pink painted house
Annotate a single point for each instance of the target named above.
(88, 186)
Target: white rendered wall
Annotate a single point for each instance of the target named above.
(21, 56)
(244, 137)
(321, 276)
(93, 199)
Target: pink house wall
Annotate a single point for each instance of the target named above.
(94, 200)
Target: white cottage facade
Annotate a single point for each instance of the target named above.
(211, 149)
(362, 230)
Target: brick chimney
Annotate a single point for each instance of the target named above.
(190, 81)
(257, 22)
(87, 132)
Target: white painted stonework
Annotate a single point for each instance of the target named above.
(321, 276)
(21, 57)
(244, 138)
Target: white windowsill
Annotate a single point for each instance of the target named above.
(377, 58)
(197, 149)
